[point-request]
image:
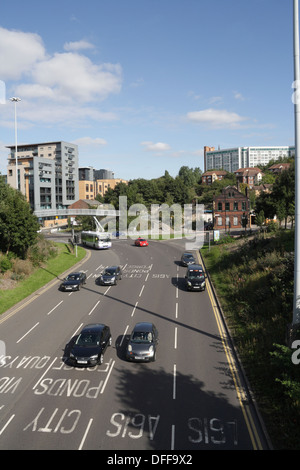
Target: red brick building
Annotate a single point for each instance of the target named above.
(229, 209)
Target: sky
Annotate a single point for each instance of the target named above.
(141, 86)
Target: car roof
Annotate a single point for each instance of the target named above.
(143, 326)
(188, 254)
(93, 326)
(195, 267)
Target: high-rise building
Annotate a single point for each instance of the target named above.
(233, 159)
(47, 173)
(93, 182)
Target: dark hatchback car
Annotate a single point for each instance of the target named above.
(111, 275)
(73, 281)
(195, 277)
(90, 346)
(187, 259)
(142, 344)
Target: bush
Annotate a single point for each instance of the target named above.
(5, 264)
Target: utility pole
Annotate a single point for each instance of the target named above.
(296, 306)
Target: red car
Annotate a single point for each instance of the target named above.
(141, 242)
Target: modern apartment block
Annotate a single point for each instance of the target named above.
(47, 174)
(233, 159)
(93, 182)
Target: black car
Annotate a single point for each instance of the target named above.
(111, 275)
(142, 343)
(187, 259)
(195, 277)
(91, 344)
(73, 281)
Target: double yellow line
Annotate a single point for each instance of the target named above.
(241, 393)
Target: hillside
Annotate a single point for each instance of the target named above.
(254, 279)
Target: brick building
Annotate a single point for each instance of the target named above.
(229, 209)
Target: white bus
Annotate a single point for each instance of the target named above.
(99, 240)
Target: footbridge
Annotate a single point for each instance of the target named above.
(73, 212)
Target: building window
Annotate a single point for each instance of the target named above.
(219, 206)
(235, 206)
(235, 221)
(243, 206)
(219, 220)
(227, 206)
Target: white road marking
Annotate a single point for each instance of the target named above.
(94, 307)
(85, 434)
(174, 382)
(55, 307)
(106, 380)
(5, 426)
(28, 332)
(134, 309)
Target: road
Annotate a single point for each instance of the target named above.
(192, 397)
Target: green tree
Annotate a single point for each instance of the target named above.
(18, 224)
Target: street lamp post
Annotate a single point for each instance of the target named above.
(16, 100)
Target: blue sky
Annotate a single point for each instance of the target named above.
(143, 85)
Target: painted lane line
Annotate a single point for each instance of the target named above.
(85, 434)
(106, 380)
(176, 310)
(174, 382)
(90, 275)
(94, 307)
(43, 375)
(147, 277)
(175, 338)
(134, 309)
(5, 426)
(123, 337)
(28, 332)
(55, 307)
(142, 290)
(177, 287)
(173, 437)
(107, 290)
(77, 330)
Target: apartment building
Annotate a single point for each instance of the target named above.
(233, 159)
(93, 182)
(47, 174)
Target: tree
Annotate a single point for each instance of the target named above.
(18, 224)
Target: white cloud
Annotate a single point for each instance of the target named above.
(90, 141)
(216, 118)
(19, 52)
(238, 96)
(76, 77)
(78, 45)
(158, 147)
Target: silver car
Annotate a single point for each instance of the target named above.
(143, 343)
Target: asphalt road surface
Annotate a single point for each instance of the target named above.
(192, 397)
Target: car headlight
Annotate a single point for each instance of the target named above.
(94, 357)
(203, 284)
(189, 283)
(151, 350)
(113, 278)
(129, 348)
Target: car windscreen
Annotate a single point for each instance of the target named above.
(195, 274)
(73, 277)
(109, 272)
(141, 337)
(88, 339)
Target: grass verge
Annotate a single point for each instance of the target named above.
(64, 260)
(253, 279)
